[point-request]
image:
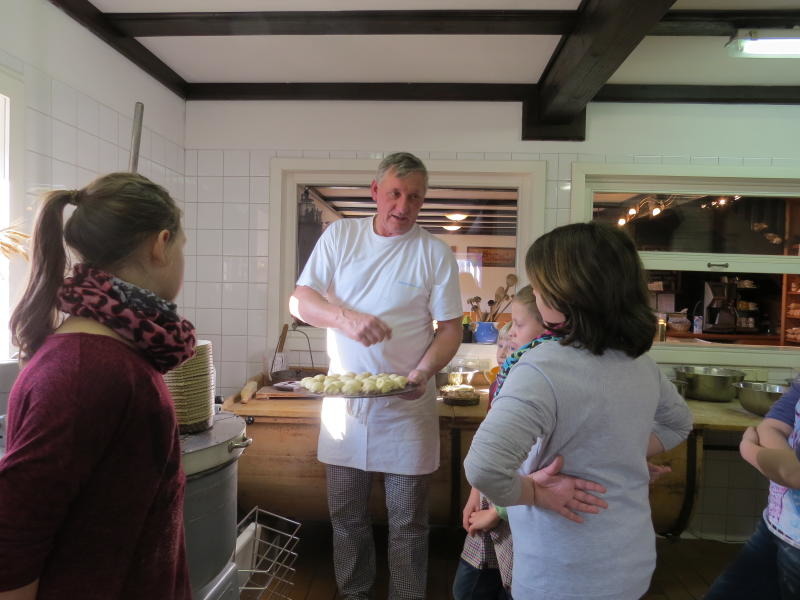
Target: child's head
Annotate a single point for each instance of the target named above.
(504, 344)
(526, 321)
(592, 275)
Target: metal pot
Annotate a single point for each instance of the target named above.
(209, 511)
(680, 384)
(712, 384)
(758, 397)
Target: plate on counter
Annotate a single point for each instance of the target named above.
(294, 386)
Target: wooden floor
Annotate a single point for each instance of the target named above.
(684, 571)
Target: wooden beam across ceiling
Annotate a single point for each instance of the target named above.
(607, 32)
(360, 22)
(467, 92)
(723, 22)
(700, 94)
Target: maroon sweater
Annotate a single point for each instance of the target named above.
(91, 485)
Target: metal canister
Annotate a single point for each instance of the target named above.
(661, 331)
(697, 325)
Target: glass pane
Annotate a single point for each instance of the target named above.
(729, 224)
(734, 308)
(479, 225)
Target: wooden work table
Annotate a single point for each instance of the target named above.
(280, 472)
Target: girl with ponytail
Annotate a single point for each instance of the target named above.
(91, 486)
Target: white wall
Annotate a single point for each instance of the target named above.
(490, 277)
(79, 97)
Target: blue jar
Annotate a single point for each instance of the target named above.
(485, 333)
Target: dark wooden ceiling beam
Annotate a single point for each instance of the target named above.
(362, 22)
(467, 92)
(723, 22)
(607, 32)
(701, 94)
(85, 13)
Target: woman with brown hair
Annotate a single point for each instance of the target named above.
(91, 485)
(594, 400)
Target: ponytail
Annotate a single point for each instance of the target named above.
(115, 214)
(35, 316)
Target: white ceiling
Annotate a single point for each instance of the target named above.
(357, 58)
(439, 58)
(701, 61)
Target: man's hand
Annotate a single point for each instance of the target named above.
(483, 520)
(419, 379)
(364, 328)
(565, 494)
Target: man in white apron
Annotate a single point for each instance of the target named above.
(377, 284)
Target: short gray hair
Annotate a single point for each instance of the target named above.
(403, 164)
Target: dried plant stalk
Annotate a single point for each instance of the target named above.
(13, 242)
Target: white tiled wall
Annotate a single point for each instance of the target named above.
(732, 494)
(219, 232)
(71, 138)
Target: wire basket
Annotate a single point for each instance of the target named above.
(265, 555)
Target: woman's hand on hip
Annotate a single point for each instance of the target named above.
(565, 494)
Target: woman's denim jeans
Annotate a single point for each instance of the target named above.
(765, 568)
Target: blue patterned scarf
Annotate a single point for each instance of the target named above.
(514, 357)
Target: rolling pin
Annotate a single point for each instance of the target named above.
(247, 391)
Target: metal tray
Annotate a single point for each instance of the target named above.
(294, 386)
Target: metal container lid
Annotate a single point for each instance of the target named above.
(224, 442)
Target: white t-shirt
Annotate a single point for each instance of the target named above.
(407, 281)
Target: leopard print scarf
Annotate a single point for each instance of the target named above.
(147, 321)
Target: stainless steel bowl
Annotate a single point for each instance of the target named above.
(758, 397)
(681, 385)
(712, 384)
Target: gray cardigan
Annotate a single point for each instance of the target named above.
(598, 413)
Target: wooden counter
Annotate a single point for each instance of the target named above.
(280, 472)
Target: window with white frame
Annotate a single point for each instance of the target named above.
(720, 244)
(12, 270)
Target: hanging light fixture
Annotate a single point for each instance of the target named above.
(456, 216)
(451, 227)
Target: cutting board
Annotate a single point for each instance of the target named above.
(269, 392)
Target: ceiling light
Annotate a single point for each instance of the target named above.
(765, 43)
(631, 211)
(656, 211)
(456, 216)
(451, 227)
(620, 222)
